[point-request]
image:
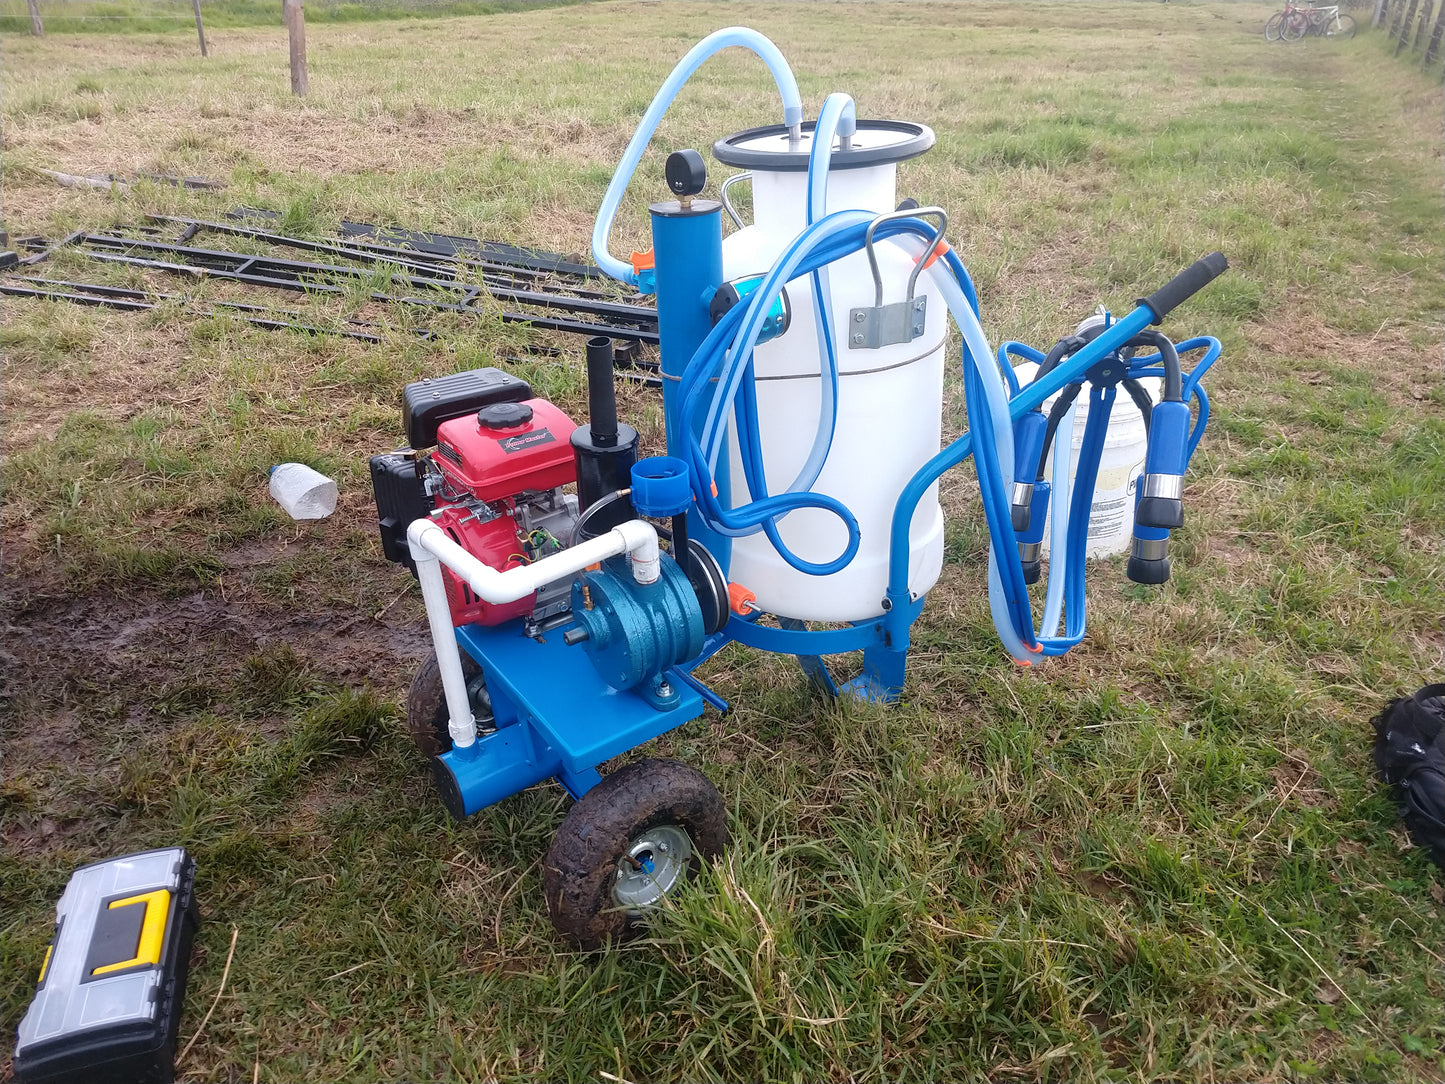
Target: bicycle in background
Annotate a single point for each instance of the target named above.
(1299, 20)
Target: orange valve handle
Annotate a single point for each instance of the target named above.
(740, 599)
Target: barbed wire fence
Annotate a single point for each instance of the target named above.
(177, 13)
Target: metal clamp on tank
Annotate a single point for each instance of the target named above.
(903, 321)
(722, 194)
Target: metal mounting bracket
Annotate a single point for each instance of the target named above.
(901, 321)
(884, 325)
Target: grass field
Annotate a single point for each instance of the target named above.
(1163, 856)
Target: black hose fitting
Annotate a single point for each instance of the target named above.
(1148, 561)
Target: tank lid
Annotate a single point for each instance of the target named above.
(875, 143)
(504, 415)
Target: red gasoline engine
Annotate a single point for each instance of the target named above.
(487, 463)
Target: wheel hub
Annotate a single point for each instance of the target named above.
(652, 866)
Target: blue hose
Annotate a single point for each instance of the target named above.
(837, 117)
(713, 43)
(726, 356)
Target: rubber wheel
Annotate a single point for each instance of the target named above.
(1273, 26)
(1345, 28)
(627, 843)
(426, 705)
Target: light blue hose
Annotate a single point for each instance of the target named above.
(837, 117)
(1059, 493)
(996, 399)
(713, 43)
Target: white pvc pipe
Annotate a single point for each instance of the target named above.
(431, 547)
(461, 724)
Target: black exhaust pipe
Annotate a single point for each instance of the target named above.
(604, 449)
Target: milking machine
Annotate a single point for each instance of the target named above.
(572, 588)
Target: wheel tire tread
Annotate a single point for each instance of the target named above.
(577, 873)
(426, 718)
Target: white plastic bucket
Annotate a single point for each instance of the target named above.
(1111, 517)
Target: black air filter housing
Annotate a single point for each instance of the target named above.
(428, 403)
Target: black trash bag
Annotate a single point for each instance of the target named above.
(1410, 754)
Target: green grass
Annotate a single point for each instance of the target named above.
(1163, 856)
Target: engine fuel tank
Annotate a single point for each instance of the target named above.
(507, 448)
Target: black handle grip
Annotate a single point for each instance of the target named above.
(1185, 285)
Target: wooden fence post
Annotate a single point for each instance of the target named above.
(200, 30)
(1425, 13)
(1396, 18)
(1379, 13)
(37, 28)
(1433, 49)
(1405, 27)
(295, 17)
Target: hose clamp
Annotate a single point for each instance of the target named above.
(1029, 551)
(1023, 494)
(1169, 486)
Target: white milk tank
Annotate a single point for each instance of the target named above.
(889, 408)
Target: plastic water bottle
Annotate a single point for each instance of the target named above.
(303, 492)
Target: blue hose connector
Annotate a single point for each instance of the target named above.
(661, 486)
(1028, 447)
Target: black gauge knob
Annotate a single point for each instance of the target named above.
(686, 173)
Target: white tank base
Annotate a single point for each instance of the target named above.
(854, 594)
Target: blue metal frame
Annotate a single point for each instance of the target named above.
(896, 621)
(687, 255)
(555, 717)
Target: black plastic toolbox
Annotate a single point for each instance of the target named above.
(108, 1003)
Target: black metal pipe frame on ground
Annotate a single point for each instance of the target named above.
(628, 363)
(503, 272)
(442, 246)
(448, 247)
(115, 297)
(626, 322)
